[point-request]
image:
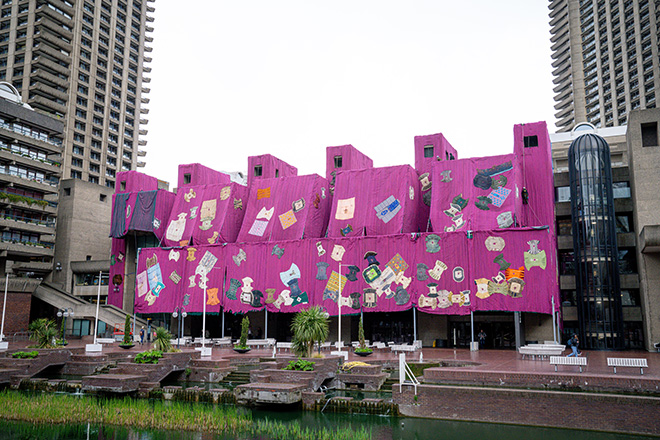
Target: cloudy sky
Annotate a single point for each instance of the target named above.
(233, 79)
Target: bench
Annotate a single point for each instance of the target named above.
(105, 340)
(403, 347)
(560, 346)
(222, 341)
(574, 360)
(627, 362)
(283, 346)
(541, 352)
(261, 342)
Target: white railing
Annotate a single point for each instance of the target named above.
(406, 376)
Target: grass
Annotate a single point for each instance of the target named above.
(144, 414)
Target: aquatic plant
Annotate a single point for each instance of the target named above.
(43, 331)
(308, 326)
(163, 340)
(145, 414)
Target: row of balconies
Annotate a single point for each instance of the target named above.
(46, 166)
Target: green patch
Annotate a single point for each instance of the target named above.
(148, 357)
(25, 354)
(300, 365)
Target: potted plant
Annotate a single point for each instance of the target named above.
(242, 346)
(128, 340)
(308, 326)
(362, 350)
(163, 340)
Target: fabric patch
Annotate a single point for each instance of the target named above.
(191, 254)
(403, 280)
(387, 209)
(495, 243)
(319, 248)
(516, 287)
(505, 219)
(369, 298)
(293, 272)
(238, 204)
(128, 211)
(401, 297)
(352, 275)
(156, 223)
(193, 212)
(338, 252)
(175, 277)
(288, 219)
(266, 213)
(212, 297)
(283, 299)
(142, 283)
(370, 256)
(371, 273)
(212, 239)
(317, 201)
(482, 288)
(425, 181)
(345, 209)
(483, 202)
(154, 276)
(207, 214)
(496, 169)
(515, 273)
(411, 193)
(345, 231)
(225, 193)
(263, 193)
(535, 260)
(186, 299)
(240, 257)
(189, 195)
(298, 205)
(497, 287)
(432, 243)
(234, 284)
(458, 274)
(191, 281)
(334, 280)
(437, 270)
(533, 247)
(498, 182)
(499, 259)
(482, 182)
(422, 275)
(323, 192)
(322, 267)
(152, 261)
(445, 176)
(206, 263)
(397, 264)
(176, 228)
(258, 228)
(498, 196)
(277, 251)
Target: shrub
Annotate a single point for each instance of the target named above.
(43, 332)
(163, 340)
(308, 326)
(245, 326)
(25, 354)
(128, 340)
(300, 365)
(148, 357)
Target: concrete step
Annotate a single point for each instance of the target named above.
(115, 383)
(209, 363)
(89, 358)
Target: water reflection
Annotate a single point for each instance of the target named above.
(381, 428)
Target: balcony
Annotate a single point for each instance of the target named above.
(142, 142)
(51, 65)
(48, 105)
(141, 164)
(146, 69)
(143, 132)
(148, 59)
(144, 111)
(149, 18)
(13, 133)
(146, 79)
(54, 53)
(148, 48)
(56, 41)
(141, 153)
(46, 166)
(47, 23)
(47, 91)
(45, 10)
(145, 100)
(27, 249)
(26, 224)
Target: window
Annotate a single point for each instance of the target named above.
(338, 161)
(428, 151)
(650, 134)
(258, 170)
(563, 194)
(93, 168)
(76, 162)
(531, 141)
(621, 190)
(93, 179)
(78, 150)
(76, 174)
(67, 191)
(102, 197)
(186, 179)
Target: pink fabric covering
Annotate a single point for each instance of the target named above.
(133, 181)
(206, 214)
(117, 272)
(459, 204)
(164, 203)
(271, 167)
(201, 175)
(286, 208)
(351, 158)
(376, 201)
(442, 150)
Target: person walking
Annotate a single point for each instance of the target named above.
(142, 336)
(573, 343)
(482, 338)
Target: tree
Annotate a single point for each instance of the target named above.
(245, 326)
(163, 340)
(363, 346)
(127, 331)
(308, 326)
(43, 332)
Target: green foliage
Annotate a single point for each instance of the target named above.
(15, 198)
(300, 365)
(43, 331)
(163, 340)
(62, 329)
(308, 326)
(363, 346)
(363, 350)
(148, 357)
(25, 354)
(128, 340)
(245, 326)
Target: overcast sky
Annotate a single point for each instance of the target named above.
(233, 79)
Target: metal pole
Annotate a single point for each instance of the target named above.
(472, 326)
(516, 326)
(554, 326)
(4, 307)
(339, 314)
(414, 325)
(266, 324)
(204, 322)
(98, 303)
(223, 322)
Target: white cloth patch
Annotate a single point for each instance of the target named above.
(266, 213)
(174, 255)
(495, 244)
(338, 252)
(345, 209)
(258, 228)
(387, 209)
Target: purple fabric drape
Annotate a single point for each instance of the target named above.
(117, 272)
(143, 217)
(118, 227)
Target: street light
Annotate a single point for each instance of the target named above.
(175, 315)
(65, 312)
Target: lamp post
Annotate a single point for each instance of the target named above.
(96, 346)
(4, 344)
(182, 312)
(64, 313)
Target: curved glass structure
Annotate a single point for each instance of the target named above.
(594, 243)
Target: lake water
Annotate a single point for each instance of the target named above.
(381, 428)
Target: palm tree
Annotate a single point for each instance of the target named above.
(43, 332)
(308, 326)
(163, 340)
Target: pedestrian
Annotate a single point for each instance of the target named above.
(142, 335)
(574, 342)
(482, 338)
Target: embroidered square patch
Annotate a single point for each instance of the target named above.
(288, 219)
(258, 228)
(333, 282)
(397, 264)
(142, 284)
(345, 209)
(499, 195)
(263, 193)
(387, 209)
(225, 193)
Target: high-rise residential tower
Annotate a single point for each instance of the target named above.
(605, 60)
(83, 61)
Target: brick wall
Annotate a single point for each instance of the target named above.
(603, 412)
(17, 316)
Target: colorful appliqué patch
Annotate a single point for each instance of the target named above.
(345, 209)
(258, 228)
(288, 219)
(387, 209)
(225, 193)
(298, 205)
(265, 213)
(499, 195)
(397, 264)
(263, 193)
(238, 204)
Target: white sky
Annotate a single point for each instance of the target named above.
(233, 79)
